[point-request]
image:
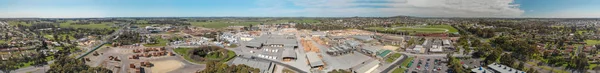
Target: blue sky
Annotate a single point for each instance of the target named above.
(303, 8)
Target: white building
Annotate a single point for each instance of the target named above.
(436, 48)
(499, 68)
(418, 49)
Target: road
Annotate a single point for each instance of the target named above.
(105, 41)
(279, 63)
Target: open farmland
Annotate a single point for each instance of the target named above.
(222, 24)
(418, 29)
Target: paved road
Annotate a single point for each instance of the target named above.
(434, 55)
(105, 41)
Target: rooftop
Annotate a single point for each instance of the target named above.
(503, 68)
(264, 66)
(314, 59)
(366, 67)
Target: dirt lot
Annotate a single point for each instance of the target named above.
(166, 66)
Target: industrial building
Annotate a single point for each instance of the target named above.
(366, 67)
(344, 48)
(264, 66)
(499, 68)
(273, 41)
(314, 60)
(288, 54)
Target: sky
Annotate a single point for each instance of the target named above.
(299, 8)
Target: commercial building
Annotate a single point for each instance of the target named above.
(436, 49)
(481, 70)
(499, 68)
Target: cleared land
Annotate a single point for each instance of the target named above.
(166, 66)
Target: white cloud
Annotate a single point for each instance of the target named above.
(433, 8)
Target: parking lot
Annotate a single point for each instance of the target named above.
(428, 65)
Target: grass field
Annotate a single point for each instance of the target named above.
(592, 66)
(222, 24)
(184, 53)
(393, 57)
(403, 64)
(553, 70)
(407, 61)
(398, 70)
(161, 42)
(88, 26)
(15, 23)
(592, 42)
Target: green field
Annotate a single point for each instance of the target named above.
(184, 53)
(403, 64)
(161, 42)
(393, 57)
(592, 42)
(15, 23)
(407, 61)
(592, 66)
(398, 70)
(419, 29)
(88, 26)
(222, 24)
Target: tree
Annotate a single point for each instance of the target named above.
(7, 66)
(491, 58)
(506, 59)
(64, 64)
(521, 66)
(531, 70)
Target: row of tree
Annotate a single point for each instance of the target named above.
(219, 67)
